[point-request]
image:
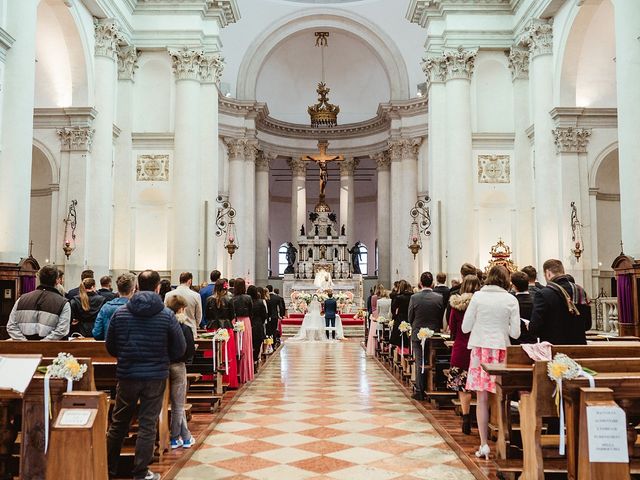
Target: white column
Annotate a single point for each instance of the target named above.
(250, 154)
(627, 20)
(347, 198)
(237, 194)
(539, 36)
(435, 68)
(410, 149)
(459, 157)
(123, 163)
(524, 243)
(100, 201)
(186, 198)
(262, 217)
(298, 197)
(383, 160)
(17, 130)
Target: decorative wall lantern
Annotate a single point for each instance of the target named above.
(420, 224)
(225, 225)
(70, 224)
(576, 233)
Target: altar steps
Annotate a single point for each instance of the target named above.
(350, 331)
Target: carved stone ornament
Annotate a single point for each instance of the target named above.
(348, 166)
(152, 168)
(235, 146)
(571, 140)
(263, 160)
(435, 69)
(211, 67)
(383, 159)
(494, 169)
(460, 63)
(250, 151)
(127, 62)
(538, 36)
(298, 167)
(518, 62)
(107, 35)
(76, 139)
(186, 63)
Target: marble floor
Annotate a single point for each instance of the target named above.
(323, 411)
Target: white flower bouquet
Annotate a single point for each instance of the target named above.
(221, 335)
(238, 327)
(66, 366)
(405, 327)
(425, 333)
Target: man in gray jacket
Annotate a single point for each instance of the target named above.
(426, 309)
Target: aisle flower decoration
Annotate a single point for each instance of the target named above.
(220, 335)
(404, 327)
(269, 343)
(423, 334)
(65, 366)
(239, 328)
(562, 367)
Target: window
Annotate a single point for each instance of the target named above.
(282, 259)
(364, 259)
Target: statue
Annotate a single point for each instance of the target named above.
(302, 230)
(322, 158)
(292, 253)
(323, 280)
(355, 257)
(328, 230)
(323, 252)
(342, 230)
(317, 231)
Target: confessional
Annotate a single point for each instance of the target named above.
(15, 279)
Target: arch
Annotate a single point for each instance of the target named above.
(282, 259)
(46, 152)
(593, 173)
(351, 24)
(364, 259)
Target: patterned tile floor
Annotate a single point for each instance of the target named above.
(323, 411)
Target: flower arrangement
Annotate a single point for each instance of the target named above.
(269, 341)
(65, 366)
(360, 315)
(425, 333)
(405, 327)
(221, 335)
(381, 319)
(345, 300)
(300, 301)
(238, 327)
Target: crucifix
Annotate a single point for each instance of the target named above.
(322, 158)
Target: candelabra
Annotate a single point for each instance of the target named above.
(419, 225)
(70, 224)
(225, 225)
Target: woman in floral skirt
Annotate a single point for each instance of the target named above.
(242, 304)
(492, 317)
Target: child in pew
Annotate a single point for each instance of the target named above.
(180, 434)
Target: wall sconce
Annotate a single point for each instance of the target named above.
(420, 224)
(576, 233)
(70, 224)
(224, 223)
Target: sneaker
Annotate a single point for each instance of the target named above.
(177, 443)
(189, 443)
(150, 476)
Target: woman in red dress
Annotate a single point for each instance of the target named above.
(219, 313)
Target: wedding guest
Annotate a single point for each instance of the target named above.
(243, 306)
(105, 288)
(520, 283)
(60, 283)
(532, 276)
(180, 435)
(465, 269)
(193, 310)
(457, 376)
(276, 312)
(455, 283)
(165, 287)
(219, 313)
(259, 319)
(232, 282)
(206, 292)
(330, 311)
(373, 324)
(85, 308)
(126, 287)
(441, 287)
(75, 291)
(400, 313)
(492, 317)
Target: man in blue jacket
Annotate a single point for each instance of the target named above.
(126, 288)
(145, 337)
(330, 309)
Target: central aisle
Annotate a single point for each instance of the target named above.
(323, 411)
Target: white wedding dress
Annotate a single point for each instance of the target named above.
(313, 328)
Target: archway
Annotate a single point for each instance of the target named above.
(43, 187)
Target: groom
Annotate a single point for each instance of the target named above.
(330, 307)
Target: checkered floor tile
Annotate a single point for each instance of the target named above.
(324, 411)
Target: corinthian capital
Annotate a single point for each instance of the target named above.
(75, 139)
(348, 166)
(460, 63)
(127, 62)
(264, 159)
(518, 62)
(435, 68)
(186, 63)
(383, 159)
(107, 36)
(250, 150)
(538, 36)
(395, 149)
(571, 140)
(236, 146)
(298, 167)
(211, 67)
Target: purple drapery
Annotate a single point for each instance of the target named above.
(27, 284)
(625, 285)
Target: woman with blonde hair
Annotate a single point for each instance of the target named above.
(85, 308)
(373, 324)
(492, 317)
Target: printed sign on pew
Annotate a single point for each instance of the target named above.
(607, 427)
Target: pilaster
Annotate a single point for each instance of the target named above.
(186, 63)
(127, 62)
(107, 37)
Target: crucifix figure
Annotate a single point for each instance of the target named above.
(322, 158)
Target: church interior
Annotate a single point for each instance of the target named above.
(342, 167)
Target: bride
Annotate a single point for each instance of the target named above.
(313, 328)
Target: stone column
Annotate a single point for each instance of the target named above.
(211, 68)
(347, 198)
(383, 160)
(123, 162)
(571, 148)
(17, 130)
(524, 241)
(435, 68)
(298, 197)
(263, 160)
(237, 193)
(539, 38)
(186, 197)
(250, 154)
(459, 157)
(100, 202)
(627, 20)
(410, 149)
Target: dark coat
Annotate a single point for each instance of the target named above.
(86, 318)
(525, 302)
(219, 317)
(242, 305)
(330, 308)
(551, 320)
(107, 294)
(445, 292)
(276, 306)
(426, 309)
(190, 351)
(399, 313)
(145, 337)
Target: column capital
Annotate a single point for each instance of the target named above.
(538, 36)
(348, 166)
(211, 67)
(518, 62)
(383, 159)
(186, 63)
(298, 167)
(460, 63)
(571, 140)
(127, 61)
(75, 139)
(236, 146)
(435, 68)
(250, 150)
(107, 36)
(263, 160)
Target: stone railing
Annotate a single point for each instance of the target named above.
(607, 314)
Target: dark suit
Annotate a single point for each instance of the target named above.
(426, 309)
(275, 304)
(330, 309)
(525, 302)
(446, 294)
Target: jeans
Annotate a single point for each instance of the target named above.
(330, 322)
(178, 394)
(129, 391)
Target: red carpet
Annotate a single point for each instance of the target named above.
(296, 319)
